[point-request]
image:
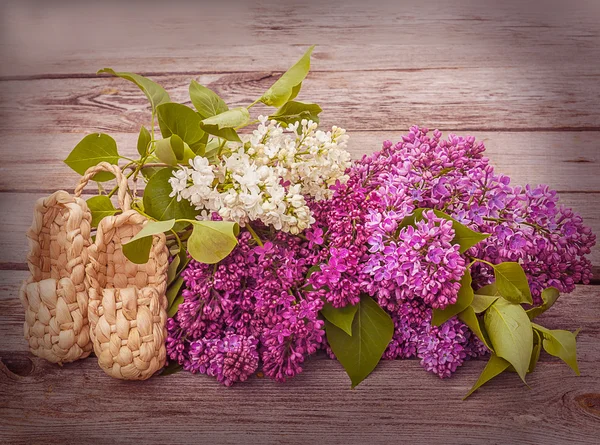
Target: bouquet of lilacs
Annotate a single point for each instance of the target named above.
(281, 246)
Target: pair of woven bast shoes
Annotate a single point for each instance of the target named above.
(85, 295)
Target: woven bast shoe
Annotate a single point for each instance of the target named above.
(55, 296)
(127, 307)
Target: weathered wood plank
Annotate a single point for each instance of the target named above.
(475, 99)
(18, 210)
(567, 161)
(381, 36)
(43, 402)
(398, 403)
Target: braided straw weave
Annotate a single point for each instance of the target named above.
(127, 308)
(55, 297)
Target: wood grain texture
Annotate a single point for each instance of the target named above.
(40, 400)
(471, 99)
(401, 35)
(398, 403)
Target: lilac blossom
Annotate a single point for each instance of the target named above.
(257, 311)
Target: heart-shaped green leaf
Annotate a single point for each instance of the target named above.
(372, 330)
(148, 172)
(410, 220)
(512, 283)
(100, 206)
(159, 205)
(223, 125)
(228, 119)
(463, 301)
(494, 367)
(170, 150)
(212, 241)
(153, 91)
(292, 112)
(342, 317)
(537, 348)
(463, 236)
(171, 368)
(510, 333)
(561, 344)
(174, 290)
(90, 151)
(144, 140)
(184, 122)
(549, 297)
(137, 249)
(174, 307)
(288, 85)
(173, 267)
(484, 297)
(207, 102)
(469, 317)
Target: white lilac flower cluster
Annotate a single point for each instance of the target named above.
(267, 177)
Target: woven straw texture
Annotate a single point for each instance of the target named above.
(55, 297)
(127, 307)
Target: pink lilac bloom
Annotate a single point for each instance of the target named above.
(411, 270)
(248, 311)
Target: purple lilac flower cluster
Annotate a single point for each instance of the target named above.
(411, 270)
(256, 310)
(247, 310)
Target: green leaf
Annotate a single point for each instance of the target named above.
(469, 317)
(411, 219)
(159, 205)
(537, 348)
(173, 268)
(341, 317)
(512, 283)
(211, 241)
(171, 368)
(494, 367)
(295, 91)
(137, 249)
(288, 85)
(223, 125)
(229, 134)
(144, 140)
(175, 305)
(463, 301)
(561, 344)
(184, 122)
(153, 91)
(100, 206)
(228, 119)
(207, 102)
(510, 333)
(173, 291)
(372, 330)
(148, 172)
(484, 297)
(549, 297)
(138, 252)
(90, 151)
(293, 112)
(170, 150)
(463, 236)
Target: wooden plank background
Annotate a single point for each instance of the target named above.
(523, 78)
